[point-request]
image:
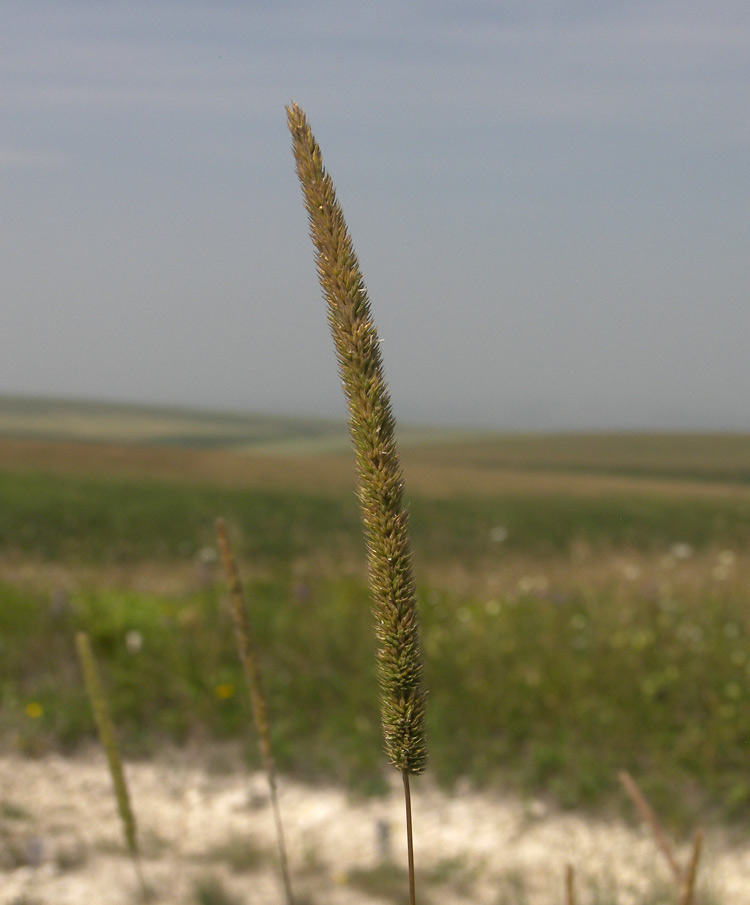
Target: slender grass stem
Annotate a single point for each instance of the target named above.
(691, 874)
(650, 818)
(570, 885)
(409, 839)
(248, 659)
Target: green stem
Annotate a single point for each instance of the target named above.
(409, 839)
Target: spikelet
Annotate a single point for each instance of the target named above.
(109, 743)
(246, 650)
(371, 425)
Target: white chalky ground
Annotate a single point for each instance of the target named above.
(61, 841)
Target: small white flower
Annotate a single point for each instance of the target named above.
(533, 584)
(681, 551)
(631, 571)
(492, 607)
(133, 641)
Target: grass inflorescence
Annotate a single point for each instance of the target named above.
(249, 661)
(380, 481)
(106, 730)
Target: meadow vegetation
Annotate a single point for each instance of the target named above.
(565, 636)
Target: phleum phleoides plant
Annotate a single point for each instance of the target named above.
(106, 731)
(371, 425)
(248, 659)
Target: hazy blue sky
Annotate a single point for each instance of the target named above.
(550, 202)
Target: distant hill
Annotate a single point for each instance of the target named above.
(33, 418)
(673, 456)
(219, 446)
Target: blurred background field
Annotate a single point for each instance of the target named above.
(583, 598)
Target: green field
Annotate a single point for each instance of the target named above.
(583, 602)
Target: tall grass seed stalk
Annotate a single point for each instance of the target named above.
(371, 425)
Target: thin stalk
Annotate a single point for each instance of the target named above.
(691, 873)
(648, 816)
(246, 649)
(409, 839)
(570, 885)
(106, 732)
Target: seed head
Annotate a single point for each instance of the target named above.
(380, 482)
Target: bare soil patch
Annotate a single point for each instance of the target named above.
(199, 817)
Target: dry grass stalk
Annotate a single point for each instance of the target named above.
(381, 486)
(109, 743)
(570, 891)
(648, 816)
(246, 648)
(688, 886)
